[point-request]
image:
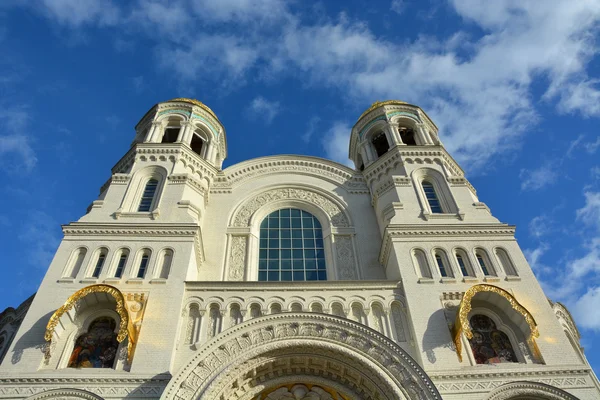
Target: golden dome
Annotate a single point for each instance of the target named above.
(379, 104)
(196, 103)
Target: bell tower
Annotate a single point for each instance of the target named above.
(439, 240)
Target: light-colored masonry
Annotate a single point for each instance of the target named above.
(421, 293)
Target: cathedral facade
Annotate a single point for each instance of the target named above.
(290, 277)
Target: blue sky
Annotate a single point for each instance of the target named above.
(514, 86)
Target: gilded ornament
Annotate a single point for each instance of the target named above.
(196, 103)
(462, 324)
(379, 104)
(126, 328)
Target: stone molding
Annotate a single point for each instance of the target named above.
(65, 394)
(522, 389)
(243, 214)
(250, 339)
(412, 155)
(396, 232)
(129, 230)
(476, 380)
(109, 386)
(318, 168)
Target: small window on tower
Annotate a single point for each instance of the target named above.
(380, 143)
(170, 135)
(432, 198)
(148, 195)
(408, 136)
(197, 144)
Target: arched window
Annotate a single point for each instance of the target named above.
(380, 143)
(171, 134)
(432, 198)
(148, 195)
(235, 315)
(75, 262)
(275, 308)
(96, 348)
(338, 310)
(197, 144)
(165, 266)
(443, 265)
(296, 307)
(100, 259)
(316, 307)
(214, 326)
(291, 247)
(421, 263)
(463, 263)
(255, 311)
(193, 327)
(408, 136)
(506, 263)
(489, 344)
(143, 264)
(121, 262)
(484, 262)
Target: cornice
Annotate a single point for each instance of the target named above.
(519, 371)
(320, 168)
(398, 231)
(235, 286)
(177, 230)
(413, 155)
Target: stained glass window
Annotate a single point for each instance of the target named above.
(291, 247)
(489, 344)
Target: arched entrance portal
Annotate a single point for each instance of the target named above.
(300, 356)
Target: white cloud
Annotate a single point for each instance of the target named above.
(335, 142)
(534, 256)
(263, 109)
(78, 12)
(310, 130)
(41, 234)
(590, 212)
(586, 311)
(540, 226)
(595, 172)
(538, 178)
(241, 10)
(15, 147)
(398, 6)
(592, 147)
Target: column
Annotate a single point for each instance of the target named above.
(183, 132)
(155, 132)
(425, 139)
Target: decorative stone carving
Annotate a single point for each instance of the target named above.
(299, 392)
(526, 390)
(237, 258)
(345, 257)
(206, 375)
(193, 323)
(243, 215)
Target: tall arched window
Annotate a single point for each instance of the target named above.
(148, 196)
(408, 136)
(443, 265)
(506, 263)
(100, 259)
(463, 263)
(432, 198)
(421, 263)
(165, 266)
(489, 344)
(96, 348)
(484, 262)
(75, 262)
(122, 261)
(291, 247)
(143, 264)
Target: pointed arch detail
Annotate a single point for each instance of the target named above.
(462, 325)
